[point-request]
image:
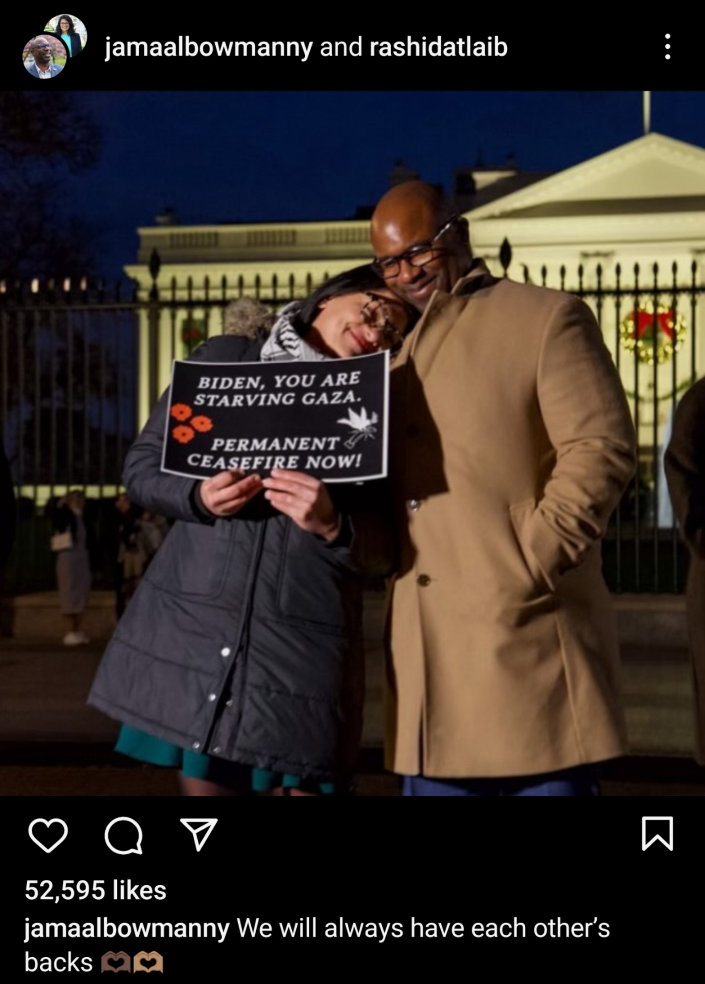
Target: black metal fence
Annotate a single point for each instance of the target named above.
(80, 365)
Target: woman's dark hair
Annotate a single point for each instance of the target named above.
(355, 281)
(72, 29)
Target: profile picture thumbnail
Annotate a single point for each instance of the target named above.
(71, 31)
(44, 56)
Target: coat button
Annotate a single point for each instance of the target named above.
(414, 505)
(423, 580)
(196, 745)
(212, 696)
(225, 651)
(228, 703)
(217, 749)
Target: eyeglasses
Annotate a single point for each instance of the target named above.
(416, 256)
(375, 314)
(42, 46)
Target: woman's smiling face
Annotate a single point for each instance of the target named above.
(358, 324)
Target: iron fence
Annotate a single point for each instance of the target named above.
(81, 364)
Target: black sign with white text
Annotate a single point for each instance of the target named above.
(328, 419)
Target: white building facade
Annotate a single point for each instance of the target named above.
(641, 203)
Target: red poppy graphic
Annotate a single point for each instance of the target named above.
(202, 424)
(183, 434)
(181, 411)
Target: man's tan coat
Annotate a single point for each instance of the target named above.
(511, 443)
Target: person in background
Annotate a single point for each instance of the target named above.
(73, 568)
(8, 512)
(685, 472)
(130, 556)
(153, 531)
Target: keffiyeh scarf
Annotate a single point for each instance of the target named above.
(284, 343)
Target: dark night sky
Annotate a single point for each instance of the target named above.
(262, 156)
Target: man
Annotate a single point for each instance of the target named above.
(42, 67)
(685, 473)
(511, 443)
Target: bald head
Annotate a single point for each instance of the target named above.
(412, 215)
(41, 51)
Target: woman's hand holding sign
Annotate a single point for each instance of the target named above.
(227, 492)
(305, 500)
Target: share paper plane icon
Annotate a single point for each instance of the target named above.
(201, 830)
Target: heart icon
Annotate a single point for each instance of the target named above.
(47, 824)
(148, 963)
(115, 963)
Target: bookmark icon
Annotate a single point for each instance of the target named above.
(201, 830)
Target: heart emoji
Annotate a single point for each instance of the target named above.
(112, 962)
(148, 963)
(50, 837)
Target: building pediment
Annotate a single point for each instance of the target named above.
(651, 174)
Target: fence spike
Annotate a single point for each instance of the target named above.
(505, 255)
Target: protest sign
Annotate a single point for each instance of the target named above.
(328, 418)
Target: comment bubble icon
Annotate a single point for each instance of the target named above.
(135, 838)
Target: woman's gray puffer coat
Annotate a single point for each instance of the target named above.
(244, 639)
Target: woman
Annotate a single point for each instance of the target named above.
(67, 32)
(244, 639)
(73, 569)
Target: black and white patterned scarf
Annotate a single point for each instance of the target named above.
(284, 343)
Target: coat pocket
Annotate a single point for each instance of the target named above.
(315, 587)
(520, 517)
(192, 560)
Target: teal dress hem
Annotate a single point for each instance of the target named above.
(196, 765)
